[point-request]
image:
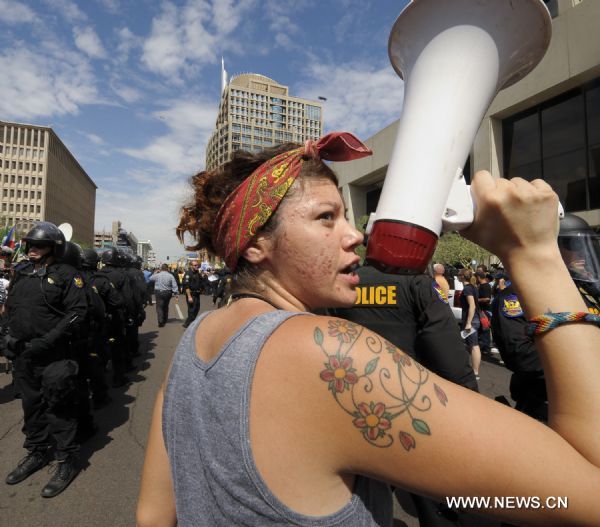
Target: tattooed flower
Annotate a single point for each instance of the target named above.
(398, 355)
(339, 373)
(345, 331)
(372, 419)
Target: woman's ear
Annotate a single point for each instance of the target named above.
(258, 250)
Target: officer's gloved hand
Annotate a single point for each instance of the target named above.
(37, 346)
(11, 347)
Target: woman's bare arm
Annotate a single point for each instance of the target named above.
(382, 414)
(156, 503)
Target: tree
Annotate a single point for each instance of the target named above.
(361, 225)
(453, 248)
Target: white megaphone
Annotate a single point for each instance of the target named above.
(454, 56)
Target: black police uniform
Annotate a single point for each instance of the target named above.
(194, 284)
(527, 385)
(518, 351)
(137, 286)
(96, 356)
(413, 313)
(46, 308)
(120, 355)
(221, 288)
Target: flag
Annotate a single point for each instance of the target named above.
(9, 239)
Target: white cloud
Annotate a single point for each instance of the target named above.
(68, 9)
(181, 150)
(13, 12)
(112, 6)
(44, 85)
(126, 42)
(96, 139)
(88, 41)
(163, 51)
(127, 93)
(183, 38)
(156, 219)
(278, 13)
(361, 98)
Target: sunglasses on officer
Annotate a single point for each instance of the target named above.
(37, 245)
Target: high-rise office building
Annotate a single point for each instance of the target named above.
(257, 112)
(40, 180)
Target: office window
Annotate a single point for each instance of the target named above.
(313, 112)
(559, 141)
(592, 98)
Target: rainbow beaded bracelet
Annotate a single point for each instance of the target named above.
(548, 321)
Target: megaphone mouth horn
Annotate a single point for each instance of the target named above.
(454, 56)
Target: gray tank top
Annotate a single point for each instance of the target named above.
(206, 432)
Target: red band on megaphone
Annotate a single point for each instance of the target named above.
(398, 247)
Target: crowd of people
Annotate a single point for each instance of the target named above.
(70, 333)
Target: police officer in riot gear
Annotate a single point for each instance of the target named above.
(81, 350)
(137, 285)
(120, 355)
(580, 249)
(46, 307)
(99, 334)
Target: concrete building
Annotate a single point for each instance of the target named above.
(545, 126)
(116, 237)
(40, 180)
(256, 112)
(144, 249)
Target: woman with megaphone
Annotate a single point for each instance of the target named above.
(271, 415)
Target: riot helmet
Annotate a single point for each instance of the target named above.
(90, 259)
(123, 258)
(579, 247)
(139, 261)
(111, 257)
(73, 255)
(45, 233)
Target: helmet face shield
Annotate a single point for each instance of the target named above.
(581, 254)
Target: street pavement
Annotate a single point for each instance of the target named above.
(105, 492)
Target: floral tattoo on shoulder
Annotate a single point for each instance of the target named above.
(373, 394)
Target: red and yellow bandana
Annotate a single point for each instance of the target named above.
(255, 200)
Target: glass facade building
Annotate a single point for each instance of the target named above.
(257, 112)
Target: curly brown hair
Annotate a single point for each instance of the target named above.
(211, 188)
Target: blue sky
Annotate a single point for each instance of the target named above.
(132, 86)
